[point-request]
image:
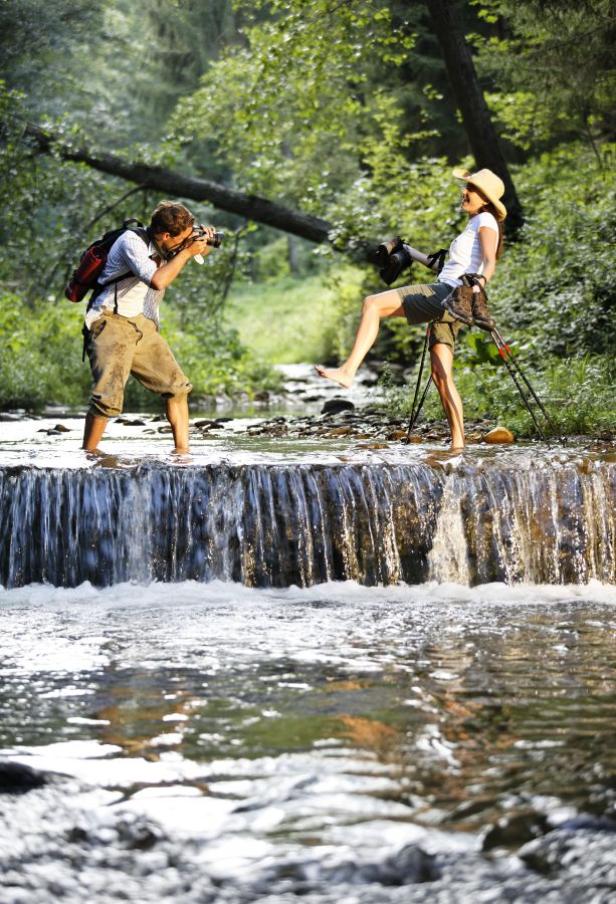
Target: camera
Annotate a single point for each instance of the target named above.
(215, 241)
(393, 257)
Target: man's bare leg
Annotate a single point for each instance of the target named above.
(93, 431)
(177, 415)
(441, 356)
(375, 307)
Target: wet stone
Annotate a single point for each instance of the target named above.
(514, 830)
(17, 778)
(499, 435)
(396, 434)
(339, 431)
(335, 406)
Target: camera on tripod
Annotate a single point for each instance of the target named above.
(393, 257)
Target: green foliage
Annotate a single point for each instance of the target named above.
(40, 353)
(40, 357)
(288, 110)
(555, 285)
(553, 67)
(309, 315)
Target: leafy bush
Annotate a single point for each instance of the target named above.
(556, 283)
(40, 357)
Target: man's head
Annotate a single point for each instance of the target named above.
(171, 224)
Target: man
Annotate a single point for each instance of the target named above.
(122, 321)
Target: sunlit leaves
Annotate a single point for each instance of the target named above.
(297, 99)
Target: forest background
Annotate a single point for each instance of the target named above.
(345, 114)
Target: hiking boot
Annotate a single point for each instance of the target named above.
(481, 314)
(459, 304)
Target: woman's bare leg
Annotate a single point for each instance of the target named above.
(375, 307)
(441, 356)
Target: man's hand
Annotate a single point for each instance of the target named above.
(199, 245)
(165, 274)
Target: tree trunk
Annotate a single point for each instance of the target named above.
(175, 184)
(483, 140)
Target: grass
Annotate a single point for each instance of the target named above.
(289, 321)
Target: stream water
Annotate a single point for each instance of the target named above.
(281, 693)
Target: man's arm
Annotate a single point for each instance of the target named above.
(168, 271)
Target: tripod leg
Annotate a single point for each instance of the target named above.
(525, 379)
(503, 351)
(415, 411)
(415, 415)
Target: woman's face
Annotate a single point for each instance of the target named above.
(472, 200)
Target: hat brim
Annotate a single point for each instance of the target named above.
(466, 176)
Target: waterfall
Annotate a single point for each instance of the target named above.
(277, 525)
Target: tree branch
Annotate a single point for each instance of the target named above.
(176, 184)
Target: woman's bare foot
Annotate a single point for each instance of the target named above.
(335, 374)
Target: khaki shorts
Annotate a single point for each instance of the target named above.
(423, 304)
(119, 346)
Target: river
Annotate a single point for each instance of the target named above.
(374, 719)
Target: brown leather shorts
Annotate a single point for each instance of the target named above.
(118, 346)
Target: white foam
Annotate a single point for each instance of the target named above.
(343, 593)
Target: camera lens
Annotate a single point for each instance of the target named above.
(383, 251)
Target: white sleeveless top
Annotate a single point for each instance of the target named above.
(465, 250)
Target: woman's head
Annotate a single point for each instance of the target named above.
(483, 191)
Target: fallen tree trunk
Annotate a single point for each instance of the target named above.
(176, 184)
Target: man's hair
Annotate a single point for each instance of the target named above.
(170, 217)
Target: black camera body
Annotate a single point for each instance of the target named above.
(215, 241)
(393, 257)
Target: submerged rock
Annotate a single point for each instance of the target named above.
(515, 829)
(17, 778)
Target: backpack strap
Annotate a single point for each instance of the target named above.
(144, 235)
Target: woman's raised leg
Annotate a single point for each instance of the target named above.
(375, 307)
(441, 357)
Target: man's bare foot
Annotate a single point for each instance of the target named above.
(335, 374)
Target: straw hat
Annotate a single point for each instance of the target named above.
(489, 184)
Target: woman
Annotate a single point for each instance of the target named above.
(475, 250)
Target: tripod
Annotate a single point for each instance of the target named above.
(520, 380)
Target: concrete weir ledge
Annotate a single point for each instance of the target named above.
(287, 511)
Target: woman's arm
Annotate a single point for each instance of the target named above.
(488, 239)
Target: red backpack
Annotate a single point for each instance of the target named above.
(93, 260)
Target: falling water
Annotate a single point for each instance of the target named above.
(278, 525)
